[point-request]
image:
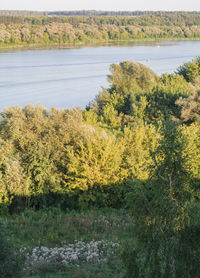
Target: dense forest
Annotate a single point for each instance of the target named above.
(21, 29)
(135, 147)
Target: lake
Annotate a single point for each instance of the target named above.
(67, 78)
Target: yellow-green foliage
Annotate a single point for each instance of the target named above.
(190, 108)
(192, 152)
(36, 139)
(162, 99)
(129, 81)
(165, 212)
(13, 180)
(57, 29)
(139, 140)
(90, 155)
(96, 161)
(190, 70)
(59, 152)
(130, 77)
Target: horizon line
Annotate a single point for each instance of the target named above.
(94, 10)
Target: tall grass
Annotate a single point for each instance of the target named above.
(99, 233)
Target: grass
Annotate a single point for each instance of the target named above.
(54, 228)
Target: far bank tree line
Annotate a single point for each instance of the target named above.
(44, 30)
(89, 13)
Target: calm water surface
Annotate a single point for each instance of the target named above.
(67, 78)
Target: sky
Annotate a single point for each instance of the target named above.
(114, 5)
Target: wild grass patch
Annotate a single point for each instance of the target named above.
(71, 244)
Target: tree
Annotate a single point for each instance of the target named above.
(163, 212)
(129, 80)
(162, 99)
(190, 70)
(130, 77)
(190, 108)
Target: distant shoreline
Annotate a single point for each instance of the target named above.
(18, 32)
(87, 44)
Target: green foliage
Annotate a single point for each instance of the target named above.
(114, 154)
(164, 215)
(190, 108)
(139, 109)
(129, 80)
(112, 104)
(191, 70)
(96, 161)
(55, 228)
(53, 157)
(11, 263)
(139, 140)
(74, 159)
(128, 77)
(162, 99)
(24, 28)
(136, 91)
(192, 151)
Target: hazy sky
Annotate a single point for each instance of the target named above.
(114, 5)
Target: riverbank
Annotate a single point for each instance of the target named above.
(67, 31)
(94, 43)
